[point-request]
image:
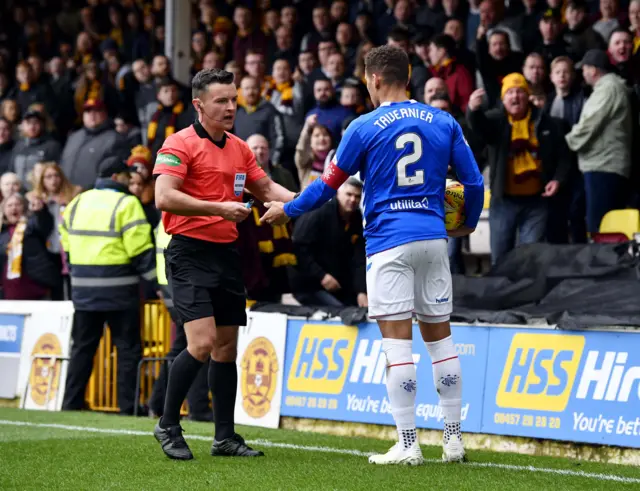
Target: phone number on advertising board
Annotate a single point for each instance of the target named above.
(311, 402)
(526, 420)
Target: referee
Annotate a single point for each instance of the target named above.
(202, 172)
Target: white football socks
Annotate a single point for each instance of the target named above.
(447, 378)
(401, 388)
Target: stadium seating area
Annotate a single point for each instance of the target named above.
(82, 81)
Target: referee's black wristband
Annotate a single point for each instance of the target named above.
(297, 195)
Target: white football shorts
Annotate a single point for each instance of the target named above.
(412, 278)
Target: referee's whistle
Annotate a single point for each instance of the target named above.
(248, 204)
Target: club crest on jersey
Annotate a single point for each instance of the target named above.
(329, 170)
(238, 183)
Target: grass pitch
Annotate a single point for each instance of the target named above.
(90, 451)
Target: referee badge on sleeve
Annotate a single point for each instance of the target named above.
(238, 183)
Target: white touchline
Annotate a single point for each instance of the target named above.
(341, 451)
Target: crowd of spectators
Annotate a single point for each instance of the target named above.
(546, 92)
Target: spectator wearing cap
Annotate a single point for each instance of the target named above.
(602, 139)
(258, 115)
(495, 60)
(445, 66)
(528, 161)
(553, 44)
(90, 146)
(169, 116)
(578, 34)
(35, 145)
(108, 241)
(6, 145)
(248, 34)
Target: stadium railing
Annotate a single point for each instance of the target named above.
(155, 333)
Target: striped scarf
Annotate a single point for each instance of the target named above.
(14, 250)
(152, 129)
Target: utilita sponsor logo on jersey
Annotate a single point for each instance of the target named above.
(409, 204)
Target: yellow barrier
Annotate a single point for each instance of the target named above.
(155, 333)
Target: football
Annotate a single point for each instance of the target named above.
(453, 205)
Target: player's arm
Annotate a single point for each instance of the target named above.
(345, 163)
(469, 175)
(266, 189)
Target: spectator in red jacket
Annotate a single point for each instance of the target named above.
(445, 66)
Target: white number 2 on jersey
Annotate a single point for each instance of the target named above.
(412, 158)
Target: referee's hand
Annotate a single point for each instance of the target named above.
(234, 211)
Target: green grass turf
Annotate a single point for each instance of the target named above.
(52, 458)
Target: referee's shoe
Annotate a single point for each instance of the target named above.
(173, 443)
(234, 446)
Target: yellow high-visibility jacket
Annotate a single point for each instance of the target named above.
(108, 240)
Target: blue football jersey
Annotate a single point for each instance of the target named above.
(402, 151)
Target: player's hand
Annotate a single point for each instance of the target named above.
(234, 211)
(275, 214)
(363, 300)
(551, 189)
(461, 231)
(329, 283)
(475, 99)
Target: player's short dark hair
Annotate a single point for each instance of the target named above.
(399, 34)
(444, 41)
(390, 63)
(204, 78)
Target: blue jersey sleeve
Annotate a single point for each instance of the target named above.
(346, 162)
(464, 163)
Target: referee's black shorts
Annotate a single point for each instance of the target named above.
(205, 279)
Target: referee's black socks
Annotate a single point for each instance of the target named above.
(182, 373)
(223, 382)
